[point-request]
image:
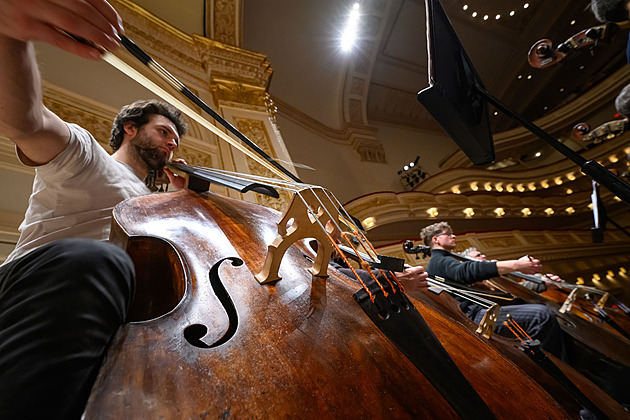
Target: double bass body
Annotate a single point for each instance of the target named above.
(208, 340)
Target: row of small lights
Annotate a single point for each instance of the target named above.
(469, 212)
(532, 186)
(610, 276)
(520, 187)
(496, 17)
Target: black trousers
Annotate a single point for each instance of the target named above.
(537, 320)
(59, 307)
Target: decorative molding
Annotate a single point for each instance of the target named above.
(256, 131)
(443, 181)
(361, 138)
(235, 93)
(355, 98)
(197, 59)
(390, 207)
(389, 105)
(224, 21)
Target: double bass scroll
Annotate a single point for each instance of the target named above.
(543, 54)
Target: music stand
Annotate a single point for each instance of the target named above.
(458, 100)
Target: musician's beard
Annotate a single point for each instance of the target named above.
(153, 157)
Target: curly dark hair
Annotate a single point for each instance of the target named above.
(435, 229)
(139, 112)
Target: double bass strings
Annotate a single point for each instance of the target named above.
(328, 206)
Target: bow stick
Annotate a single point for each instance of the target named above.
(261, 156)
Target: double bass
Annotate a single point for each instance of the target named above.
(543, 54)
(216, 329)
(603, 357)
(441, 292)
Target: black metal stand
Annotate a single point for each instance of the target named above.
(532, 349)
(403, 325)
(589, 167)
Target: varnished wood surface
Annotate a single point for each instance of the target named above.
(302, 349)
(600, 355)
(511, 349)
(585, 310)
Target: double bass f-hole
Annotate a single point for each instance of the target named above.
(195, 333)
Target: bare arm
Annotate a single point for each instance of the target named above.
(39, 134)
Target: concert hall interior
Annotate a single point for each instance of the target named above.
(350, 120)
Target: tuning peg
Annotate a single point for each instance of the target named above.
(579, 131)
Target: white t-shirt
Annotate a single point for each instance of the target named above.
(74, 194)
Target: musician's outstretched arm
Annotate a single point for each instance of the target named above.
(39, 134)
(524, 264)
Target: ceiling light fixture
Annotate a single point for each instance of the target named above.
(349, 35)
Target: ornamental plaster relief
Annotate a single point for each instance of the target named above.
(256, 131)
(225, 21)
(389, 207)
(195, 57)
